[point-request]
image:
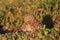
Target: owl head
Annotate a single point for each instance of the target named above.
(29, 18)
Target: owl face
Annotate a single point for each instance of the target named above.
(28, 18)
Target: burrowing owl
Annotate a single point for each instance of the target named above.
(30, 23)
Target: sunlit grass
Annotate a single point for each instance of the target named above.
(12, 12)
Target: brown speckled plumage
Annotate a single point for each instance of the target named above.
(30, 23)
